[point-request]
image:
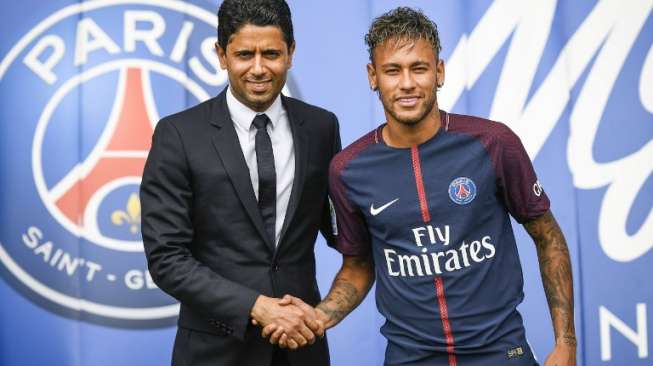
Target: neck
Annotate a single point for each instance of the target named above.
(401, 135)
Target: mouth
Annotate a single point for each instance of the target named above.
(259, 85)
(408, 101)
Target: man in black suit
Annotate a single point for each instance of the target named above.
(233, 194)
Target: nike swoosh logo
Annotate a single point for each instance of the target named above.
(376, 211)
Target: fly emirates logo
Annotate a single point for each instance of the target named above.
(436, 255)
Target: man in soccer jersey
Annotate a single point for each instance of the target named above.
(422, 204)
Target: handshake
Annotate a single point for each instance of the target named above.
(288, 322)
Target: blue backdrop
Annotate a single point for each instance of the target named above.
(573, 78)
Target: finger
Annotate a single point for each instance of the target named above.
(311, 321)
(297, 328)
(319, 333)
(283, 341)
(307, 335)
(313, 324)
(254, 322)
(300, 335)
(310, 315)
(307, 309)
(292, 344)
(268, 329)
(286, 300)
(299, 302)
(276, 336)
(322, 329)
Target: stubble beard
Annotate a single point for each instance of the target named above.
(256, 102)
(428, 108)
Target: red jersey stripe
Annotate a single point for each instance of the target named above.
(444, 315)
(421, 193)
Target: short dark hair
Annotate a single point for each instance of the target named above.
(233, 14)
(402, 23)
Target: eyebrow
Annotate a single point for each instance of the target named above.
(420, 63)
(267, 49)
(416, 63)
(242, 51)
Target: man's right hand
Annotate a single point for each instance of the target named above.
(277, 335)
(300, 327)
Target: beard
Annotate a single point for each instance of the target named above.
(427, 108)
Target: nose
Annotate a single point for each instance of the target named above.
(258, 68)
(406, 81)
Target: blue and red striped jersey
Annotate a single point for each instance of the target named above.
(436, 219)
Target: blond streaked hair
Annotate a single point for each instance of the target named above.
(402, 25)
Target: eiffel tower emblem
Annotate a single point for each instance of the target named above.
(119, 155)
(462, 192)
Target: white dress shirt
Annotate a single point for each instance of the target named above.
(282, 146)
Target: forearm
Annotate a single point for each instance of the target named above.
(196, 285)
(555, 269)
(349, 288)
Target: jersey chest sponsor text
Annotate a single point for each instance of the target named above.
(434, 253)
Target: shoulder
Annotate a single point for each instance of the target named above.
(190, 116)
(303, 109)
(491, 134)
(349, 153)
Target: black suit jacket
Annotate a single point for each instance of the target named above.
(205, 240)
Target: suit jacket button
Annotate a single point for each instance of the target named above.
(275, 268)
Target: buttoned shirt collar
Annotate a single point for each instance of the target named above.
(243, 116)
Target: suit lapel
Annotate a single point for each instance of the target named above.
(300, 141)
(226, 143)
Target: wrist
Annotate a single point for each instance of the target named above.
(566, 340)
(258, 310)
(321, 315)
(326, 315)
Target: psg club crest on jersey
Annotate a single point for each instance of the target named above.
(462, 190)
(82, 92)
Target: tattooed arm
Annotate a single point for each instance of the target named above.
(349, 288)
(555, 269)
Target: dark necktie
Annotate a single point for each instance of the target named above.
(267, 176)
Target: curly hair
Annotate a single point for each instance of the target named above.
(402, 24)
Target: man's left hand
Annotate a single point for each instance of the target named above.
(562, 355)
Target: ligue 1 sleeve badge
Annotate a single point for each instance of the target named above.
(82, 92)
(462, 190)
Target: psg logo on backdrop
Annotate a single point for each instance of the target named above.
(86, 86)
(462, 190)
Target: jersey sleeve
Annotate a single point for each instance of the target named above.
(350, 229)
(517, 182)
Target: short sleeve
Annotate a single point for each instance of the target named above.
(517, 182)
(350, 229)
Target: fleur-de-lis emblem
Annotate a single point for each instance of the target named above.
(131, 216)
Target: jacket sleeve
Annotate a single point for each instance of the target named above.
(166, 199)
(328, 223)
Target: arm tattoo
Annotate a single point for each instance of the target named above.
(555, 269)
(342, 298)
(349, 288)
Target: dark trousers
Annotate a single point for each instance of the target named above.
(194, 348)
(280, 358)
